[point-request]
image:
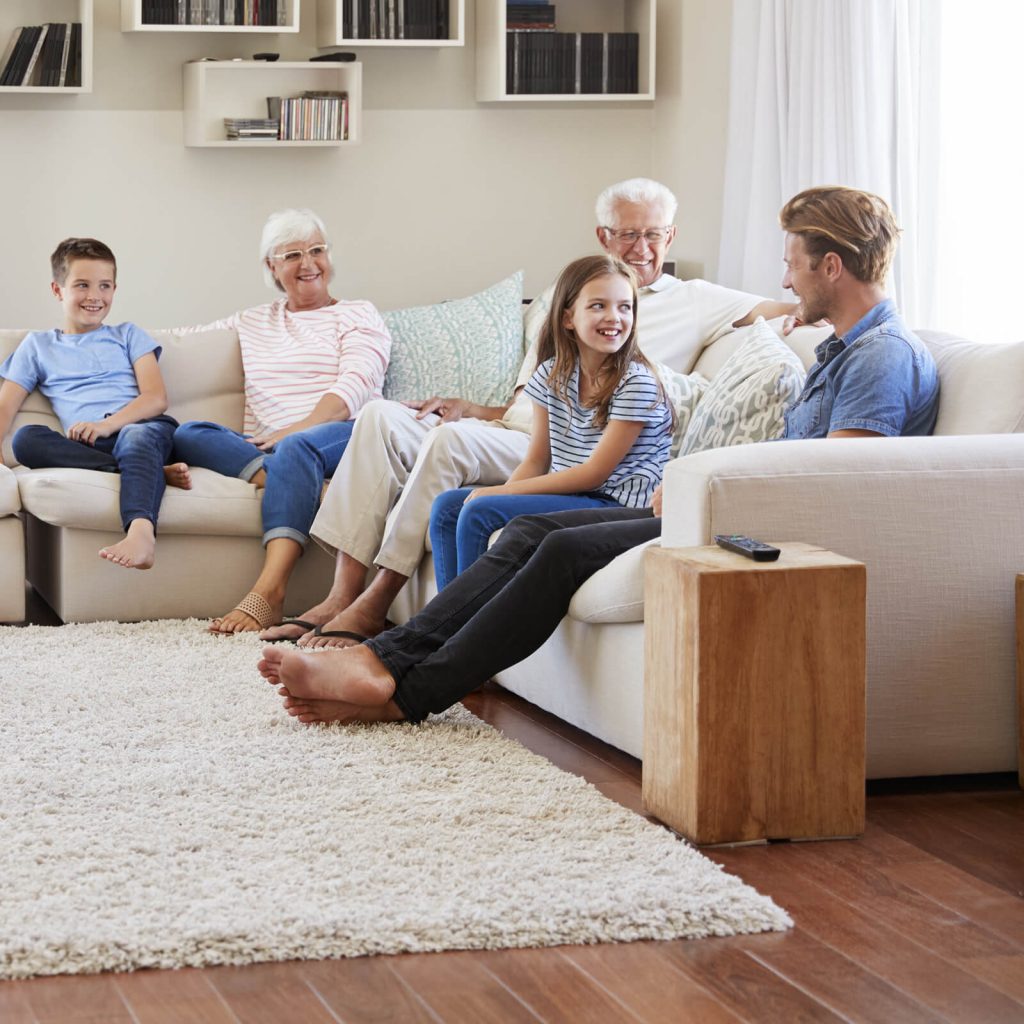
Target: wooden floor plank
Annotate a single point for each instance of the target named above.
(553, 988)
(460, 989)
(173, 997)
(365, 990)
(15, 1007)
(78, 999)
(754, 992)
(932, 981)
(646, 981)
(269, 994)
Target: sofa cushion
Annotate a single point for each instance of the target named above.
(981, 387)
(10, 499)
(747, 399)
(616, 592)
(35, 409)
(202, 372)
(470, 347)
(88, 500)
(683, 391)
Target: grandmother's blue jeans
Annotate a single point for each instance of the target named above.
(461, 530)
(138, 451)
(296, 468)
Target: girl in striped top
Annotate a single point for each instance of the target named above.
(311, 363)
(601, 427)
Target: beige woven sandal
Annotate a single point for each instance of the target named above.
(258, 607)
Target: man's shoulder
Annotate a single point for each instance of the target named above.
(892, 334)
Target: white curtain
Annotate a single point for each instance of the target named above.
(832, 92)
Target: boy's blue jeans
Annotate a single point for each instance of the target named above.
(296, 468)
(459, 531)
(138, 451)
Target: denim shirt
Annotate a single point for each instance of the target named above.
(880, 377)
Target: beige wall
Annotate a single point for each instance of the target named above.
(443, 197)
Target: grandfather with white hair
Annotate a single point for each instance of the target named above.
(377, 508)
(311, 362)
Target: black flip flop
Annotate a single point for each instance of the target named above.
(309, 627)
(346, 634)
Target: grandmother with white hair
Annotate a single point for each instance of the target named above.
(311, 362)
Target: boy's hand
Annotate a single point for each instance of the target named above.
(89, 433)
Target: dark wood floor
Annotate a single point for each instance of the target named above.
(920, 920)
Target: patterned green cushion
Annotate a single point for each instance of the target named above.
(471, 348)
(748, 397)
(683, 391)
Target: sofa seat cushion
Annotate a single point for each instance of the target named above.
(616, 593)
(88, 500)
(10, 500)
(981, 387)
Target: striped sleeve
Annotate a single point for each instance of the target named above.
(636, 399)
(364, 349)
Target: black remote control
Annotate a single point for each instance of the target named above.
(342, 58)
(754, 549)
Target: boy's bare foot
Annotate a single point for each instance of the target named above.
(354, 620)
(137, 550)
(178, 475)
(238, 620)
(355, 677)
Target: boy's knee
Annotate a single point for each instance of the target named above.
(25, 437)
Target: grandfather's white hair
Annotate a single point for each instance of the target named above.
(285, 226)
(636, 190)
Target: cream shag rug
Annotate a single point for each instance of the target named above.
(159, 809)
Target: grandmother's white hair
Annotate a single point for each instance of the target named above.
(287, 226)
(636, 190)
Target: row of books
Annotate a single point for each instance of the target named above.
(394, 19)
(527, 15)
(315, 116)
(215, 12)
(571, 62)
(44, 55)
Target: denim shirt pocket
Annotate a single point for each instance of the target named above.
(805, 418)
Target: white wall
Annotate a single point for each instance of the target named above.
(443, 197)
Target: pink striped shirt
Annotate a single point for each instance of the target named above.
(291, 360)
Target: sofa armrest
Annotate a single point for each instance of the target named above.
(937, 522)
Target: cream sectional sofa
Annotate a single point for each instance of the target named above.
(936, 520)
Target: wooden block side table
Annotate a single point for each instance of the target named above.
(1020, 680)
(754, 694)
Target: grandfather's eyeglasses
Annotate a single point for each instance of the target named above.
(295, 255)
(652, 235)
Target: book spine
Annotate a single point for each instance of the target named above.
(65, 55)
(26, 78)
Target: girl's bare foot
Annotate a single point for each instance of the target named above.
(137, 550)
(322, 712)
(178, 475)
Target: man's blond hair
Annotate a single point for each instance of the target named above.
(858, 226)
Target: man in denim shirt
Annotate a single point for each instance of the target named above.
(872, 377)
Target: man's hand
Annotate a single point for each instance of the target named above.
(265, 442)
(89, 433)
(447, 409)
(791, 323)
(656, 501)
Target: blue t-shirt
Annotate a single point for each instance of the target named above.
(86, 377)
(573, 437)
(880, 377)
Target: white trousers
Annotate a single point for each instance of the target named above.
(377, 507)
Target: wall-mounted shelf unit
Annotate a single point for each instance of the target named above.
(132, 12)
(218, 89)
(334, 24)
(16, 14)
(494, 74)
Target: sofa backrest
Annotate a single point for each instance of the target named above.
(981, 387)
(202, 373)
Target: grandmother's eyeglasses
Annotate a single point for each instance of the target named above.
(295, 255)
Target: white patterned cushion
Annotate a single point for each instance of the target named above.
(683, 391)
(470, 348)
(748, 397)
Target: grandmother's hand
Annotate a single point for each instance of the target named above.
(447, 409)
(267, 441)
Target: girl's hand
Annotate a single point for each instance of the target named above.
(656, 501)
(89, 433)
(483, 492)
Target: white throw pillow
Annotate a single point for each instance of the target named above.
(747, 399)
(470, 348)
(683, 391)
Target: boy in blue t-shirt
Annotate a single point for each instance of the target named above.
(105, 387)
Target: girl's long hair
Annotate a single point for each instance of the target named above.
(559, 343)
